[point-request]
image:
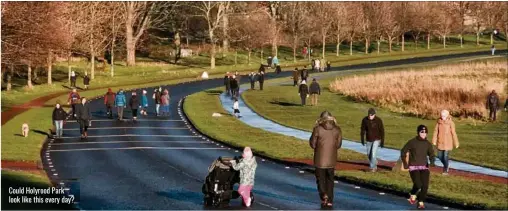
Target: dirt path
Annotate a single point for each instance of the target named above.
(31, 167)
(387, 166)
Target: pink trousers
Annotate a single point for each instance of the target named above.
(244, 191)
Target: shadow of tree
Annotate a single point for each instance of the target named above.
(284, 103)
(213, 92)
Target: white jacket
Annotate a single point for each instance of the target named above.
(235, 105)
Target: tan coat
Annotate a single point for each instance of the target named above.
(444, 135)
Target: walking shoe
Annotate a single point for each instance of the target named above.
(412, 199)
(445, 174)
(373, 170)
(248, 203)
(420, 206)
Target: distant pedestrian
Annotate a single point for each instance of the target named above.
(144, 103)
(204, 75)
(236, 108)
(227, 84)
(234, 86)
(303, 91)
(328, 66)
(419, 149)
(261, 68)
(252, 80)
(493, 49)
(304, 74)
(120, 103)
(83, 116)
(261, 79)
(165, 100)
(326, 140)
(59, 115)
(278, 70)
(109, 101)
(295, 77)
(157, 99)
(247, 167)
(506, 105)
(269, 61)
(275, 61)
(73, 79)
(493, 105)
(318, 65)
(73, 100)
(134, 104)
(373, 130)
(445, 138)
(315, 91)
(313, 64)
(86, 81)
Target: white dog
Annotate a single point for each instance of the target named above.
(25, 129)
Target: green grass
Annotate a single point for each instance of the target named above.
(474, 193)
(481, 143)
(17, 179)
(200, 106)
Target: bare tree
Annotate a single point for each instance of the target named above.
(403, 20)
(323, 12)
(297, 22)
(354, 16)
(273, 12)
(340, 23)
(460, 9)
(446, 20)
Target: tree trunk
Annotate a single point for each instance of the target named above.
(402, 41)
(112, 67)
(366, 46)
(390, 40)
(478, 38)
(295, 46)
(50, 68)
(225, 26)
(309, 51)
(261, 55)
(236, 56)
(351, 47)
(461, 41)
(248, 58)
(444, 41)
(294, 54)
(416, 43)
(274, 47)
(212, 53)
(428, 41)
(92, 65)
(324, 45)
(492, 38)
(378, 45)
(29, 77)
(9, 77)
(338, 44)
(129, 37)
(69, 68)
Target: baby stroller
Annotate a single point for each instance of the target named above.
(218, 186)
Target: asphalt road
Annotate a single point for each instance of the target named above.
(161, 163)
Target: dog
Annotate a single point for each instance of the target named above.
(25, 129)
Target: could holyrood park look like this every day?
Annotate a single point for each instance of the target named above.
(254, 105)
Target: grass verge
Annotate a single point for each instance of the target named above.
(200, 106)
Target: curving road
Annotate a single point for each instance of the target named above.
(160, 163)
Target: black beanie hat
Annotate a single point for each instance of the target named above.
(371, 111)
(420, 128)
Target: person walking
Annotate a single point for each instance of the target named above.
(373, 130)
(313, 64)
(144, 103)
(252, 79)
(492, 104)
(120, 103)
(261, 79)
(493, 49)
(109, 101)
(278, 70)
(295, 77)
(315, 91)
(134, 104)
(318, 65)
(73, 100)
(261, 69)
(419, 149)
(165, 100)
(73, 79)
(326, 140)
(328, 66)
(445, 138)
(227, 84)
(157, 98)
(86, 80)
(83, 116)
(247, 167)
(234, 86)
(303, 91)
(304, 74)
(236, 108)
(59, 115)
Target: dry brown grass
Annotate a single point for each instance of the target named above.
(462, 89)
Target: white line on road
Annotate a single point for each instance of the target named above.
(116, 142)
(135, 135)
(111, 128)
(131, 148)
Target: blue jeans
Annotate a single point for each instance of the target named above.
(371, 153)
(59, 128)
(443, 157)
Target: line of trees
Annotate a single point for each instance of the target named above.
(34, 34)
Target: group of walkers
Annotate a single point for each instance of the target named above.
(86, 80)
(319, 65)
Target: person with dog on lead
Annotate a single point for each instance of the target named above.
(59, 115)
(73, 100)
(419, 149)
(83, 115)
(120, 103)
(144, 103)
(236, 108)
(445, 138)
(247, 167)
(109, 101)
(134, 104)
(373, 130)
(326, 140)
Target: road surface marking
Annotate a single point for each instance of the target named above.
(356, 187)
(131, 148)
(381, 193)
(301, 172)
(287, 167)
(110, 128)
(336, 182)
(135, 135)
(116, 142)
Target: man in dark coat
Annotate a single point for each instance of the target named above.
(233, 85)
(492, 104)
(304, 74)
(372, 128)
(83, 116)
(86, 81)
(303, 91)
(315, 91)
(109, 101)
(227, 84)
(261, 79)
(261, 68)
(252, 79)
(295, 77)
(326, 140)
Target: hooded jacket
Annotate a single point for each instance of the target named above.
(326, 139)
(120, 99)
(444, 135)
(144, 100)
(109, 98)
(247, 168)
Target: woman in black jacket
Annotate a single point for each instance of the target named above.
(134, 104)
(59, 115)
